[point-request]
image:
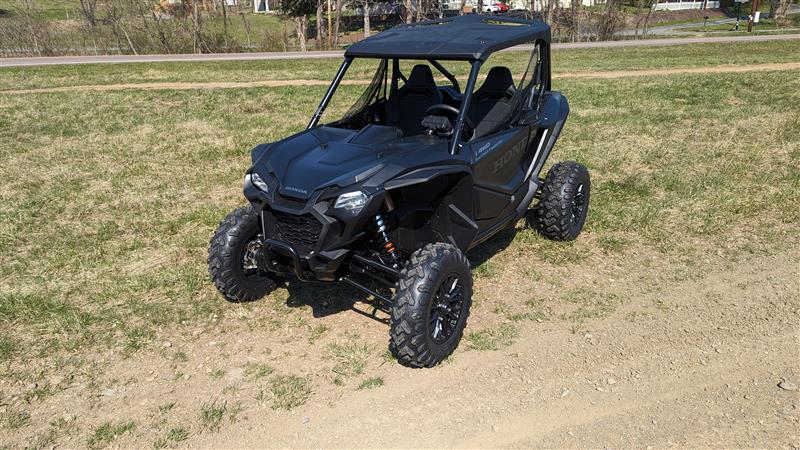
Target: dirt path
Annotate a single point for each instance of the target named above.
(701, 371)
(283, 83)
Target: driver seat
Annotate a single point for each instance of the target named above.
(406, 108)
(491, 103)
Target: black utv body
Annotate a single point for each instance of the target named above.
(390, 197)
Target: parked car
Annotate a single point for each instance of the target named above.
(492, 8)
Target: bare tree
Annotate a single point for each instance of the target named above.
(301, 22)
(114, 15)
(408, 10)
(610, 20)
(643, 17)
(320, 7)
(778, 10)
(224, 22)
(576, 19)
(246, 28)
(366, 18)
(162, 37)
(31, 29)
(339, 7)
(299, 10)
(197, 25)
(88, 10)
(330, 26)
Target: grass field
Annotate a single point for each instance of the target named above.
(111, 333)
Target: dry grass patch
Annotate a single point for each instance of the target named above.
(289, 391)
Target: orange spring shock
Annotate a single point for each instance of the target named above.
(383, 235)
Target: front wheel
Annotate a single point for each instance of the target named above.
(234, 255)
(430, 306)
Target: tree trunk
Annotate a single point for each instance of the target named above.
(87, 7)
(246, 29)
(336, 25)
(319, 24)
(224, 22)
(128, 38)
(197, 44)
(419, 11)
(330, 27)
(608, 20)
(161, 35)
(575, 31)
(774, 5)
(407, 5)
(547, 15)
(301, 23)
(366, 18)
(647, 19)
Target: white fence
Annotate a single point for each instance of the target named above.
(674, 5)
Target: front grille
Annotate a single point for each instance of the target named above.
(301, 231)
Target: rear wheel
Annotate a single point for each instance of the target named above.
(234, 258)
(564, 203)
(431, 305)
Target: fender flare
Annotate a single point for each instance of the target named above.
(452, 220)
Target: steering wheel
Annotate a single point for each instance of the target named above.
(451, 110)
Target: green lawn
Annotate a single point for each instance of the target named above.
(50, 9)
(109, 199)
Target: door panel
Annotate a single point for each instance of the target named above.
(499, 171)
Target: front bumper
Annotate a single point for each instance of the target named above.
(308, 238)
(298, 239)
(282, 258)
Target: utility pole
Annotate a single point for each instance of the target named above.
(755, 7)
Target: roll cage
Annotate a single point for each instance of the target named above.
(394, 48)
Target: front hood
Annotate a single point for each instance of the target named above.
(322, 157)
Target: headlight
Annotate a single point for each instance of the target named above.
(352, 202)
(259, 182)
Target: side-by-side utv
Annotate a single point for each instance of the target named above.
(390, 196)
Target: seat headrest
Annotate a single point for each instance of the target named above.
(498, 79)
(421, 76)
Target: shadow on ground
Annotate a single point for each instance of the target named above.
(326, 299)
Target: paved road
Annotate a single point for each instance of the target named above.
(678, 28)
(57, 60)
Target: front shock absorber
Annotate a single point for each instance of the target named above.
(384, 240)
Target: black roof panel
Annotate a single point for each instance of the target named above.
(471, 36)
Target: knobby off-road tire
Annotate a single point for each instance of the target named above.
(226, 255)
(434, 293)
(564, 203)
